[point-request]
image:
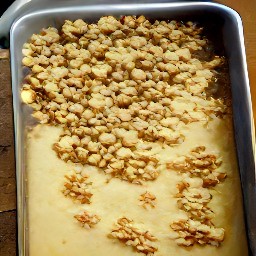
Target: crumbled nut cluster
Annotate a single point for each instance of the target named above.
(147, 200)
(194, 201)
(117, 87)
(127, 232)
(198, 163)
(136, 169)
(87, 219)
(116, 83)
(194, 196)
(121, 162)
(194, 232)
(78, 188)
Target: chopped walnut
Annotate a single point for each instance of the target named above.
(147, 199)
(194, 196)
(78, 188)
(136, 169)
(194, 201)
(117, 87)
(117, 82)
(200, 164)
(190, 232)
(127, 232)
(87, 219)
(28, 96)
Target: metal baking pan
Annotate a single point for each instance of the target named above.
(226, 25)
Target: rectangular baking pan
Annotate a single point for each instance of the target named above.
(223, 22)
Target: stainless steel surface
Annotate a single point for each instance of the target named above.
(20, 8)
(227, 25)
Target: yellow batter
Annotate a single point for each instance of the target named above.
(53, 230)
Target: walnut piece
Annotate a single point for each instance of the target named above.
(194, 196)
(127, 232)
(192, 232)
(194, 201)
(117, 82)
(147, 200)
(117, 87)
(87, 219)
(200, 164)
(78, 188)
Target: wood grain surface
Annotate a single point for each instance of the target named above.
(7, 163)
(247, 10)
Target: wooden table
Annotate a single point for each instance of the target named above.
(246, 8)
(7, 170)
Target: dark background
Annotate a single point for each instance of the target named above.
(4, 5)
